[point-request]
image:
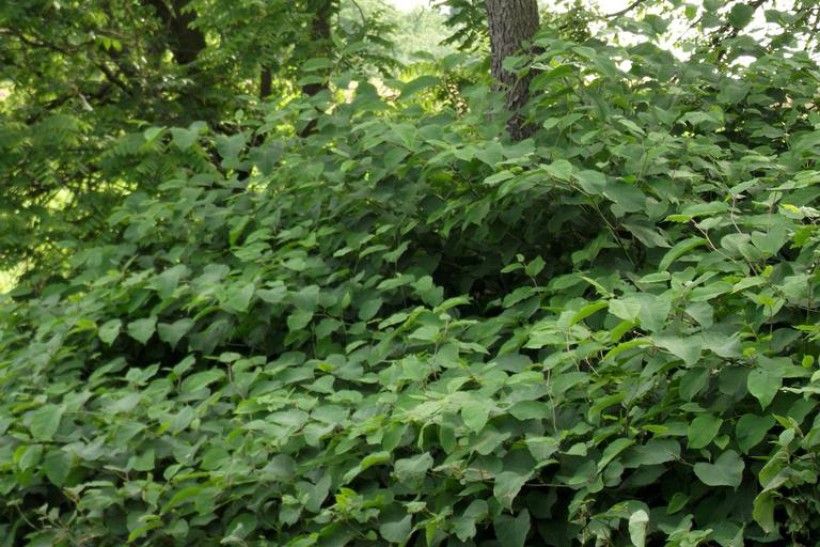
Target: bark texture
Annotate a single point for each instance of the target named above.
(512, 23)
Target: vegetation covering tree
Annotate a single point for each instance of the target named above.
(405, 325)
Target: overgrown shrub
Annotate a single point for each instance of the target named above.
(402, 329)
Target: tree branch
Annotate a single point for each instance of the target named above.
(67, 51)
(626, 10)
(184, 41)
(361, 12)
(59, 101)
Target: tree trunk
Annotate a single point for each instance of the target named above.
(512, 23)
(319, 36)
(265, 83)
(184, 42)
(196, 100)
(321, 42)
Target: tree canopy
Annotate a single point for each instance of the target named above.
(276, 278)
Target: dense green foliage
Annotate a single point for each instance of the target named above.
(70, 90)
(404, 328)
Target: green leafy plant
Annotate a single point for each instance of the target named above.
(402, 328)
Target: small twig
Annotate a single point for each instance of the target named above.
(111, 77)
(626, 10)
(361, 13)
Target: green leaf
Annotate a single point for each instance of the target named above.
(272, 295)
(507, 485)
(612, 450)
(771, 241)
(542, 448)
(45, 421)
(702, 430)
(397, 531)
(307, 298)
(376, 458)
(625, 308)
(241, 527)
(740, 15)
(705, 209)
(763, 511)
(750, 430)
(692, 382)
(491, 153)
(688, 349)
(512, 532)
(142, 462)
(535, 267)
(628, 197)
(655, 277)
(237, 230)
(316, 63)
(172, 333)
(370, 308)
(184, 495)
(475, 414)
(299, 319)
(654, 452)
(419, 84)
(698, 118)
(464, 526)
(726, 471)
(27, 457)
(499, 177)
(588, 310)
(152, 133)
(677, 502)
(141, 330)
(650, 237)
(592, 182)
(201, 380)
(764, 384)
(560, 169)
(239, 298)
(412, 470)
(167, 282)
(57, 465)
(529, 410)
(109, 331)
(426, 333)
(637, 527)
(183, 138)
(230, 147)
(679, 250)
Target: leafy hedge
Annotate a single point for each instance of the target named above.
(403, 329)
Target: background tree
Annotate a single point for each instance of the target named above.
(512, 24)
(78, 90)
